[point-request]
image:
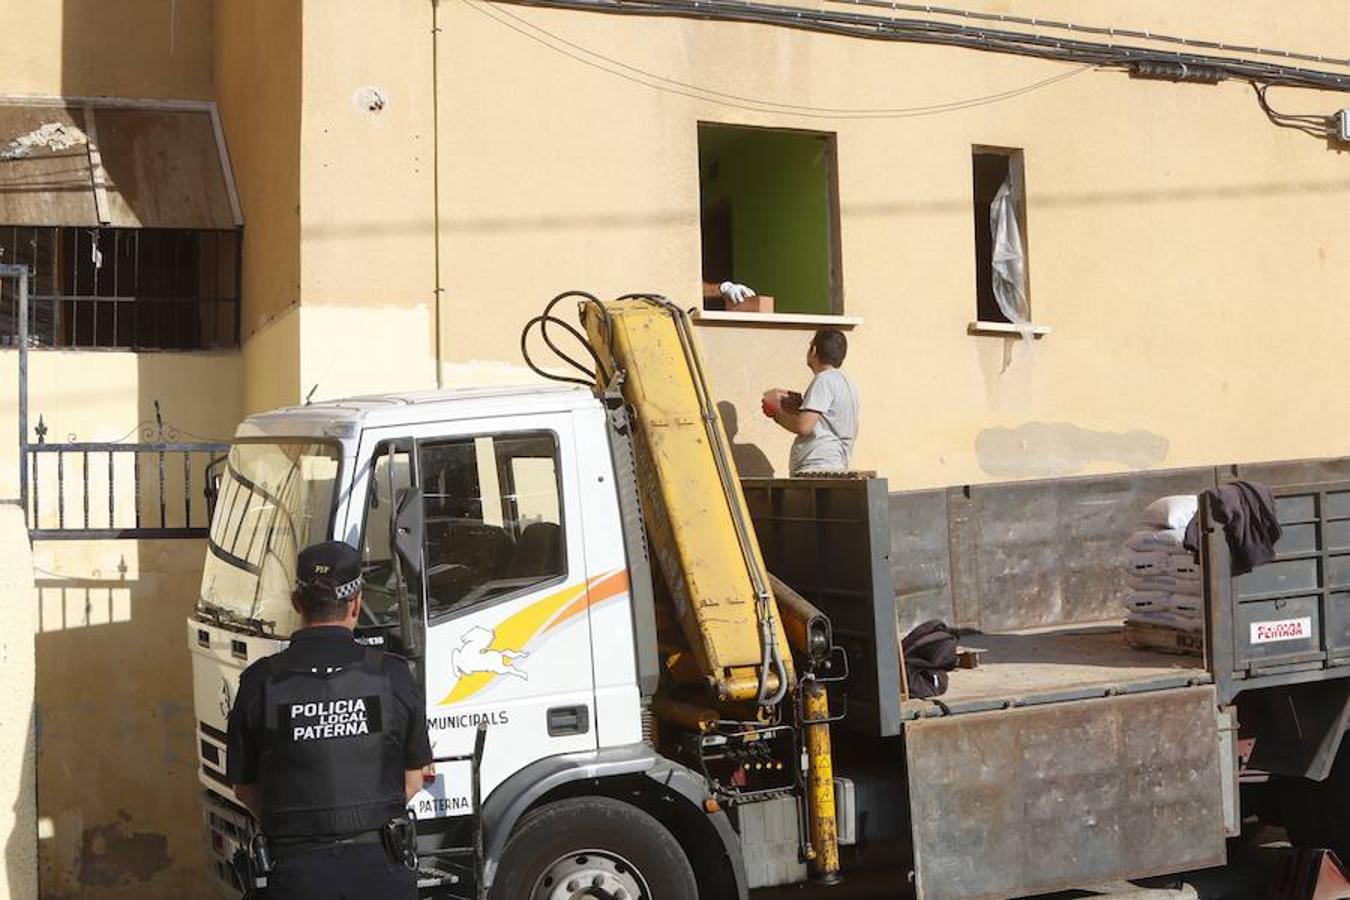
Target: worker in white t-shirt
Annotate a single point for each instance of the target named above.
(825, 418)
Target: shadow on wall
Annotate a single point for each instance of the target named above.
(118, 796)
(117, 750)
(162, 49)
(751, 462)
(117, 792)
(18, 852)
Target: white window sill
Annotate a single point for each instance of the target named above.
(1004, 329)
(718, 317)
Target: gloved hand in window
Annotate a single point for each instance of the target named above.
(734, 293)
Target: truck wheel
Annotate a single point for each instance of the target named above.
(593, 847)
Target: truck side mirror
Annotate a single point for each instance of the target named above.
(409, 532)
(212, 489)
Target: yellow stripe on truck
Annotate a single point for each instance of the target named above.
(515, 633)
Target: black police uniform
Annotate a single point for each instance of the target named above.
(326, 729)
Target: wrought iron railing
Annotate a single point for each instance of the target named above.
(83, 490)
(154, 489)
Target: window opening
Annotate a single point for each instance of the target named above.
(768, 215)
(390, 474)
(124, 288)
(493, 517)
(1000, 272)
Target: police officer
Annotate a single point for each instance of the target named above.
(327, 743)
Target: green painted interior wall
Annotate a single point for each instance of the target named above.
(778, 183)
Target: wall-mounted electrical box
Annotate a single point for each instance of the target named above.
(1343, 126)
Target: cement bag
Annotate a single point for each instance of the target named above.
(1153, 562)
(1166, 584)
(1142, 601)
(1184, 566)
(1156, 539)
(1168, 620)
(1173, 513)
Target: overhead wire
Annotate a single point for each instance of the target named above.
(1110, 31)
(738, 101)
(875, 27)
(1138, 61)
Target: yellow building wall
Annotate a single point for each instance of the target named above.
(18, 727)
(95, 723)
(98, 796)
(107, 48)
(99, 643)
(367, 273)
(1186, 252)
(271, 370)
(118, 803)
(258, 79)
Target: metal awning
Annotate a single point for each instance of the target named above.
(114, 164)
(45, 176)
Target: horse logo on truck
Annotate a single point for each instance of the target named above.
(475, 654)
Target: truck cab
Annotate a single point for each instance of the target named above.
(517, 616)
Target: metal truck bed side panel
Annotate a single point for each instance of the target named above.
(829, 539)
(1031, 800)
(1288, 621)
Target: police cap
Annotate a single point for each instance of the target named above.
(332, 564)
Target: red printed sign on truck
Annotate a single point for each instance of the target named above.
(1281, 630)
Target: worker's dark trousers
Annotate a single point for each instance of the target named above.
(341, 872)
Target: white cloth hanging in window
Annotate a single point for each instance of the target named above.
(1010, 284)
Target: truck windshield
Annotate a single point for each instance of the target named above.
(273, 500)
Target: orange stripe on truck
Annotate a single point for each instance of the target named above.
(598, 591)
(515, 632)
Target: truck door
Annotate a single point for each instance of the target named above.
(503, 597)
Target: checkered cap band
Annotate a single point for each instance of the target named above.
(345, 591)
(349, 590)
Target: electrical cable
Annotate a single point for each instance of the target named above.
(738, 101)
(1311, 124)
(1096, 29)
(1140, 62)
(864, 25)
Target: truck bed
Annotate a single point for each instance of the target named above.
(1044, 665)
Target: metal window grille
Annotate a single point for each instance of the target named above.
(124, 288)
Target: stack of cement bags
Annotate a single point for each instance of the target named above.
(1164, 579)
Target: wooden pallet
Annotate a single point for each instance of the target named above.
(1148, 636)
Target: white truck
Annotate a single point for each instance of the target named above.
(624, 705)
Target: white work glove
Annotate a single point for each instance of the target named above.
(734, 293)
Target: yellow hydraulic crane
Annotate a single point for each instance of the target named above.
(735, 619)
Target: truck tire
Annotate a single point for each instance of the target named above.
(563, 850)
